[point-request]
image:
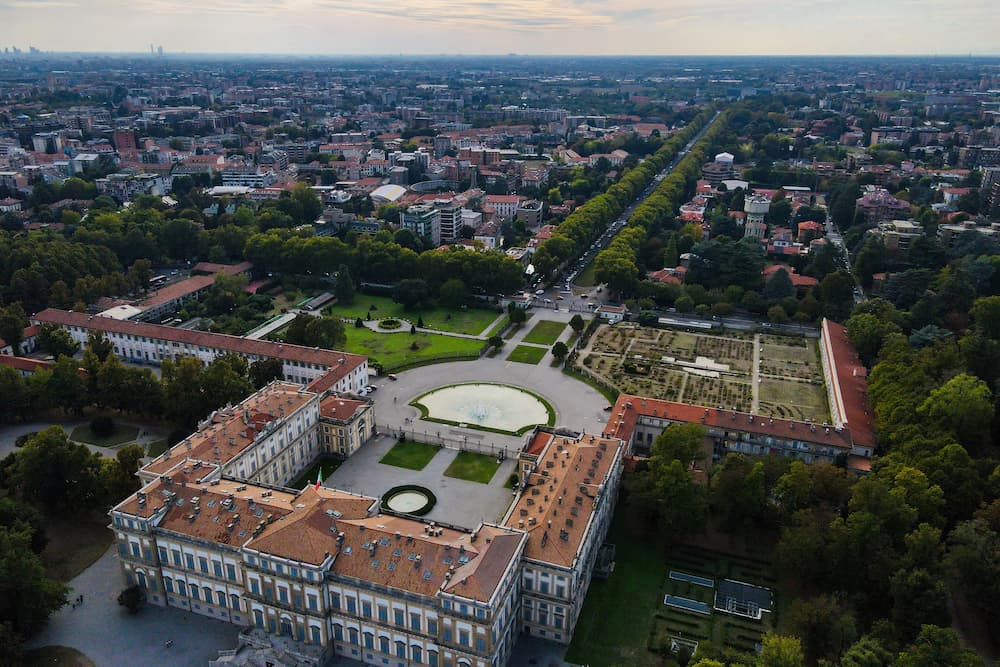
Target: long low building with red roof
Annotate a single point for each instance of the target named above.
(147, 343)
(638, 420)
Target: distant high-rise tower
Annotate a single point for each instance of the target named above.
(152, 51)
(159, 51)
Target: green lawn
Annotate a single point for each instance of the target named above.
(586, 278)
(545, 332)
(526, 354)
(308, 477)
(614, 623)
(471, 321)
(498, 327)
(123, 433)
(392, 350)
(473, 467)
(410, 454)
(157, 447)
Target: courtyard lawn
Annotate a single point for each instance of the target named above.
(308, 477)
(473, 467)
(123, 433)
(409, 454)
(526, 354)
(393, 350)
(545, 332)
(470, 321)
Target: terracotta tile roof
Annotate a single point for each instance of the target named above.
(389, 550)
(557, 499)
(852, 383)
(341, 409)
(628, 408)
(25, 364)
(232, 430)
(225, 512)
(212, 268)
(340, 363)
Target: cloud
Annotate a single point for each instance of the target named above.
(37, 4)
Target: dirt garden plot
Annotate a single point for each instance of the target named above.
(790, 399)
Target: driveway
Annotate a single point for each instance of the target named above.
(577, 405)
(110, 637)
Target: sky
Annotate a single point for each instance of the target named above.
(597, 27)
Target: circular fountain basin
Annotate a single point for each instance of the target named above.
(409, 499)
(484, 405)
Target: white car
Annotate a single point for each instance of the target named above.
(539, 292)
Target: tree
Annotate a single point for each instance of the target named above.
(576, 323)
(824, 626)
(65, 388)
(836, 293)
(118, 478)
(517, 316)
(779, 286)
(412, 293)
(132, 598)
(56, 341)
(265, 371)
(963, 404)
(866, 652)
(139, 274)
(495, 342)
(937, 647)
(867, 332)
(559, 351)
(27, 595)
(99, 345)
(777, 315)
(13, 322)
(343, 288)
(58, 474)
(780, 651)
(973, 560)
(986, 314)
(738, 492)
(453, 293)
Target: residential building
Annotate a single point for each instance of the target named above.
(950, 234)
(505, 206)
(450, 213)
(877, 205)
(529, 212)
(424, 221)
(897, 235)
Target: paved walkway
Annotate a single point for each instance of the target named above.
(755, 384)
(110, 637)
(459, 502)
(10, 433)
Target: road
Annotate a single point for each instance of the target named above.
(605, 239)
(835, 238)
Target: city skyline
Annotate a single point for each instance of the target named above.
(528, 27)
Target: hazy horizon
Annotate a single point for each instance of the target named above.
(499, 27)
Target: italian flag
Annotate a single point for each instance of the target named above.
(319, 478)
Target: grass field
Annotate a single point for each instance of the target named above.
(56, 656)
(393, 349)
(473, 467)
(123, 433)
(326, 465)
(545, 332)
(586, 278)
(471, 321)
(525, 354)
(624, 620)
(409, 454)
(74, 544)
(157, 447)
